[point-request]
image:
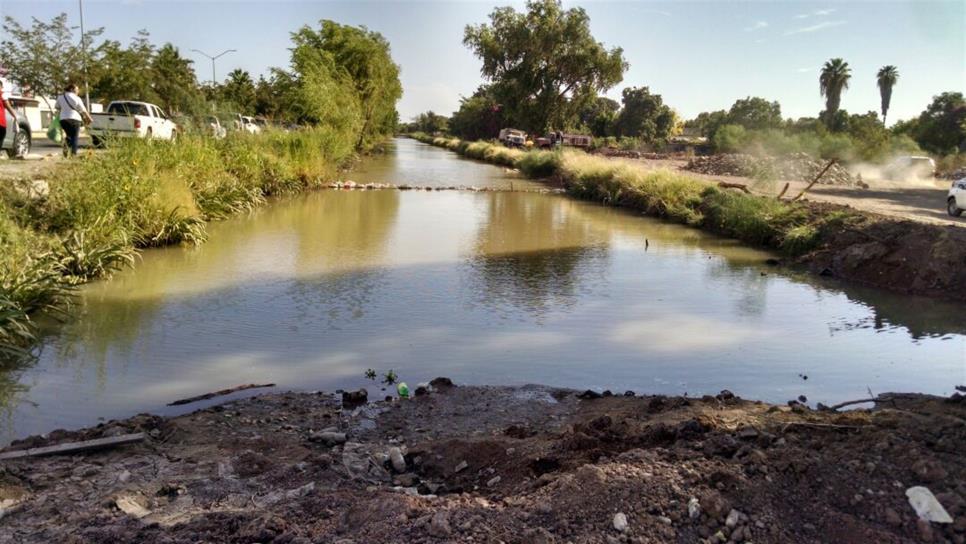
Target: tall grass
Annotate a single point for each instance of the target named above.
(139, 193)
(786, 226)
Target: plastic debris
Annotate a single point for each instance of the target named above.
(403, 390)
(926, 506)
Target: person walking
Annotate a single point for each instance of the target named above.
(73, 115)
(5, 106)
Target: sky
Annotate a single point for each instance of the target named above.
(699, 55)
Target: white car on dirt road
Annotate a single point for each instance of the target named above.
(956, 201)
(126, 119)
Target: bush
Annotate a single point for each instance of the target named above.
(729, 138)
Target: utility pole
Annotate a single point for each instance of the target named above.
(87, 86)
(213, 59)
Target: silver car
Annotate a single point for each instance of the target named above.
(956, 200)
(18, 140)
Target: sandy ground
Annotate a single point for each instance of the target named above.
(495, 464)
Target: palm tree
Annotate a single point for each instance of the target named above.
(833, 80)
(886, 78)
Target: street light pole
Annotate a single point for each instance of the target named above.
(87, 86)
(213, 59)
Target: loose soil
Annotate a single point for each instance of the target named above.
(497, 464)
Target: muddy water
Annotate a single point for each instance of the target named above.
(496, 287)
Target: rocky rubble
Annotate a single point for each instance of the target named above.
(499, 464)
(795, 167)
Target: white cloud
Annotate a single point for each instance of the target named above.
(757, 26)
(816, 13)
(652, 11)
(803, 70)
(815, 27)
(683, 334)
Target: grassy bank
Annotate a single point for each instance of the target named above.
(791, 228)
(102, 208)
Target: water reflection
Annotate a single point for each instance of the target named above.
(534, 253)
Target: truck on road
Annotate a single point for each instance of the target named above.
(512, 137)
(130, 119)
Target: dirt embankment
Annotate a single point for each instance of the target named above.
(515, 465)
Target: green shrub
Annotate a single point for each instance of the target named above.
(730, 138)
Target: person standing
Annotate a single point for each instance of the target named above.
(73, 115)
(5, 106)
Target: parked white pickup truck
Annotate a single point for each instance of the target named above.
(124, 118)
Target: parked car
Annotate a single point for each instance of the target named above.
(250, 124)
(512, 137)
(18, 139)
(214, 128)
(956, 200)
(910, 167)
(127, 119)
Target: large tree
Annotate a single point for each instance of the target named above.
(339, 55)
(42, 58)
(119, 73)
(886, 80)
(644, 115)
(239, 89)
(755, 113)
(832, 82)
(543, 63)
(480, 117)
(708, 122)
(174, 81)
(942, 126)
(599, 116)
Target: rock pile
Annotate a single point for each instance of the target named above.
(794, 166)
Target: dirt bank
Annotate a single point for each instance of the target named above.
(516, 465)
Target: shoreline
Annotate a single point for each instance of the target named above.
(832, 240)
(513, 464)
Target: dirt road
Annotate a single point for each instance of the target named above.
(919, 201)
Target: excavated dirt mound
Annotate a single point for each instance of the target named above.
(514, 465)
(795, 166)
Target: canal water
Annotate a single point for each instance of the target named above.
(483, 287)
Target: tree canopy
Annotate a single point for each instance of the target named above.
(543, 63)
(644, 115)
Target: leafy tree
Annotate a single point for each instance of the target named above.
(869, 136)
(272, 95)
(886, 80)
(707, 123)
(543, 63)
(644, 115)
(599, 116)
(832, 82)
(174, 81)
(430, 122)
(755, 113)
(354, 57)
(239, 89)
(480, 117)
(729, 138)
(941, 128)
(45, 56)
(119, 73)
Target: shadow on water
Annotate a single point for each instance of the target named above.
(483, 287)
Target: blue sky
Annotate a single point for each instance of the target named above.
(699, 55)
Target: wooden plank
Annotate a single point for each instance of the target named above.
(223, 392)
(75, 447)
